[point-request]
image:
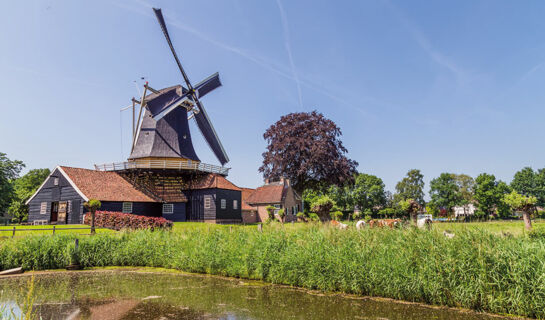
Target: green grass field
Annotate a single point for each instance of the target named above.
(514, 227)
(21, 231)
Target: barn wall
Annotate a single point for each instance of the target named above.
(148, 209)
(195, 205)
(229, 213)
(179, 213)
(51, 193)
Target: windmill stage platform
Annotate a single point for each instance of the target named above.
(181, 165)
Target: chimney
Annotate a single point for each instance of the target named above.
(267, 181)
(281, 180)
(287, 182)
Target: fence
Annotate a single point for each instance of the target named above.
(53, 229)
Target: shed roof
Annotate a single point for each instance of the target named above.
(104, 185)
(272, 193)
(213, 181)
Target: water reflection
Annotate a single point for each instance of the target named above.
(136, 295)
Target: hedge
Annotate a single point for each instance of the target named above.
(119, 220)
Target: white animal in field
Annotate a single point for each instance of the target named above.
(360, 224)
(448, 234)
(339, 225)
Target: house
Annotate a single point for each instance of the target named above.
(279, 194)
(249, 213)
(207, 197)
(464, 211)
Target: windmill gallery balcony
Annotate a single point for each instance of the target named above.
(169, 164)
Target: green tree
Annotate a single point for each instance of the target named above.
(92, 205)
(489, 193)
(522, 203)
(9, 171)
(524, 181)
(540, 187)
(368, 192)
(342, 196)
(411, 187)
(444, 191)
(466, 187)
(24, 187)
(530, 183)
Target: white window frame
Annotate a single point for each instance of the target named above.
(168, 208)
(56, 181)
(207, 202)
(235, 204)
(223, 204)
(43, 208)
(126, 207)
(69, 206)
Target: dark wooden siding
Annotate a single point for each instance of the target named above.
(229, 213)
(149, 209)
(179, 213)
(195, 206)
(51, 193)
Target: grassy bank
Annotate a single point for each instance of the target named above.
(476, 269)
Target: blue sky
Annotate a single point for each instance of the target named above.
(440, 86)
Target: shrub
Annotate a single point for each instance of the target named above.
(336, 215)
(322, 207)
(356, 215)
(301, 216)
(313, 217)
(270, 213)
(119, 220)
(282, 214)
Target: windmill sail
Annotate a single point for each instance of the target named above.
(204, 87)
(210, 135)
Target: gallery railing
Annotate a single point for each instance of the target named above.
(162, 164)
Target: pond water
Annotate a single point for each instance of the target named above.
(136, 295)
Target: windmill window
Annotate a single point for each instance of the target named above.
(207, 202)
(235, 204)
(56, 181)
(127, 207)
(168, 208)
(69, 206)
(43, 208)
(223, 203)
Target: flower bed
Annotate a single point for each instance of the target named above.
(119, 220)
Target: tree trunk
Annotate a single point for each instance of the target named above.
(92, 221)
(527, 220)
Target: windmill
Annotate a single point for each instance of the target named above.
(161, 135)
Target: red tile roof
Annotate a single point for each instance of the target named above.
(104, 185)
(245, 193)
(267, 194)
(212, 181)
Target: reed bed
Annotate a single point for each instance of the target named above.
(475, 269)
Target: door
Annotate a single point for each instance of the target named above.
(61, 216)
(54, 212)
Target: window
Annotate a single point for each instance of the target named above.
(168, 208)
(69, 206)
(43, 208)
(223, 203)
(127, 207)
(235, 204)
(207, 202)
(56, 181)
